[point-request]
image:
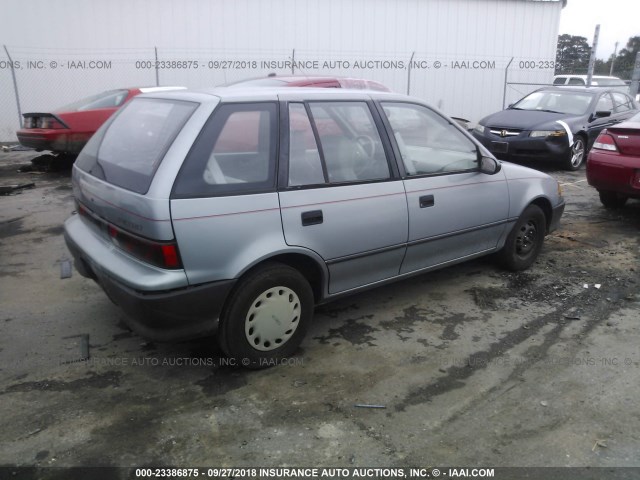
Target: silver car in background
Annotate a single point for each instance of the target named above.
(239, 210)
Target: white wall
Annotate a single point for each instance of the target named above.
(123, 31)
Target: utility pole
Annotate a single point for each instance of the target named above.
(635, 78)
(613, 59)
(592, 60)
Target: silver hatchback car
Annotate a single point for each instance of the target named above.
(239, 210)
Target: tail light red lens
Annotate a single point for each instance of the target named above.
(48, 122)
(605, 142)
(159, 254)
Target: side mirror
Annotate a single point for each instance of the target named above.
(602, 114)
(489, 165)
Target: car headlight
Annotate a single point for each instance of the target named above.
(479, 129)
(548, 133)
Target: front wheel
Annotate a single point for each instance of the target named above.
(577, 154)
(525, 240)
(266, 317)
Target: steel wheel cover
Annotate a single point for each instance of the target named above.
(272, 318)
(526, 239)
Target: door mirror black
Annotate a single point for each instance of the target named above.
(602, 114)
(489, 165)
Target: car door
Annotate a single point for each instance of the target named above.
(597, 124)
(340, 196)
(224, 203)
(623, 107)
(455, 211)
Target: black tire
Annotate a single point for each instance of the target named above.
(577, 154)
(612, 200)
(525, 240)
(275, 297)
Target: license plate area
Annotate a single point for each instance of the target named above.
(500, 147)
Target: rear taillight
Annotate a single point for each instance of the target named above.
(605, 142)
(48, 122)
(159, 254)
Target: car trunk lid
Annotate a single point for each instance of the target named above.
(627, 137)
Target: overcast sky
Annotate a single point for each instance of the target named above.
(618, 19)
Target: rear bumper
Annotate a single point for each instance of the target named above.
(612, 172)
(167, 315)
(55, 140)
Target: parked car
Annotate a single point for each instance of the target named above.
(67, 129)
(311, 81)
(613, 83)
(613, 165)
(241, 209)
(552, 123)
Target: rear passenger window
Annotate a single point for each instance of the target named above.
(576, 81)
(559, 81)
(305, 165)
(234, 153)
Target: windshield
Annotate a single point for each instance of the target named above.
(559, 102)
(110, 99)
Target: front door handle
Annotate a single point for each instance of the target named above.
(427, 201)
(313, 217)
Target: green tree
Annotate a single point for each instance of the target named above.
(572, 54)
(623, 67)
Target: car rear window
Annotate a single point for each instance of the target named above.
(109, 99)
(133, 145)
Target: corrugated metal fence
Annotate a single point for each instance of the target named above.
(464, 86)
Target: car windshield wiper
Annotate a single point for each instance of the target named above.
(548, 111)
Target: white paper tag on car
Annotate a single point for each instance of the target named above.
(568, 130)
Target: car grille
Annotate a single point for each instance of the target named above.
(504, 132)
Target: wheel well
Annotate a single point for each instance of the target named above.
(306, 266)
(545, 206)
(586, 140)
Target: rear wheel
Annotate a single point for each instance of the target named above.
(577, 153)
(266, 317)
(612, 199)
(525, 240)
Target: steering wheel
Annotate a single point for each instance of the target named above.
(367, 143)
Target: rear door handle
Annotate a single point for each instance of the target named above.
(427, 201)
(313, 217)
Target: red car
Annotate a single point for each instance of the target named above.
(311, 81)
(67, 129)
(613, 165)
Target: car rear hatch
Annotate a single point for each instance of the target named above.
(627, 137)
(114, 172)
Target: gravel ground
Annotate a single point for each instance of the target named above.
(473, 365)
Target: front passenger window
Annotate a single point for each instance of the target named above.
(428, 143)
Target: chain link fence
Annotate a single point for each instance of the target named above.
(48, 78)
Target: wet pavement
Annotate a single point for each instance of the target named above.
(474, 365)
